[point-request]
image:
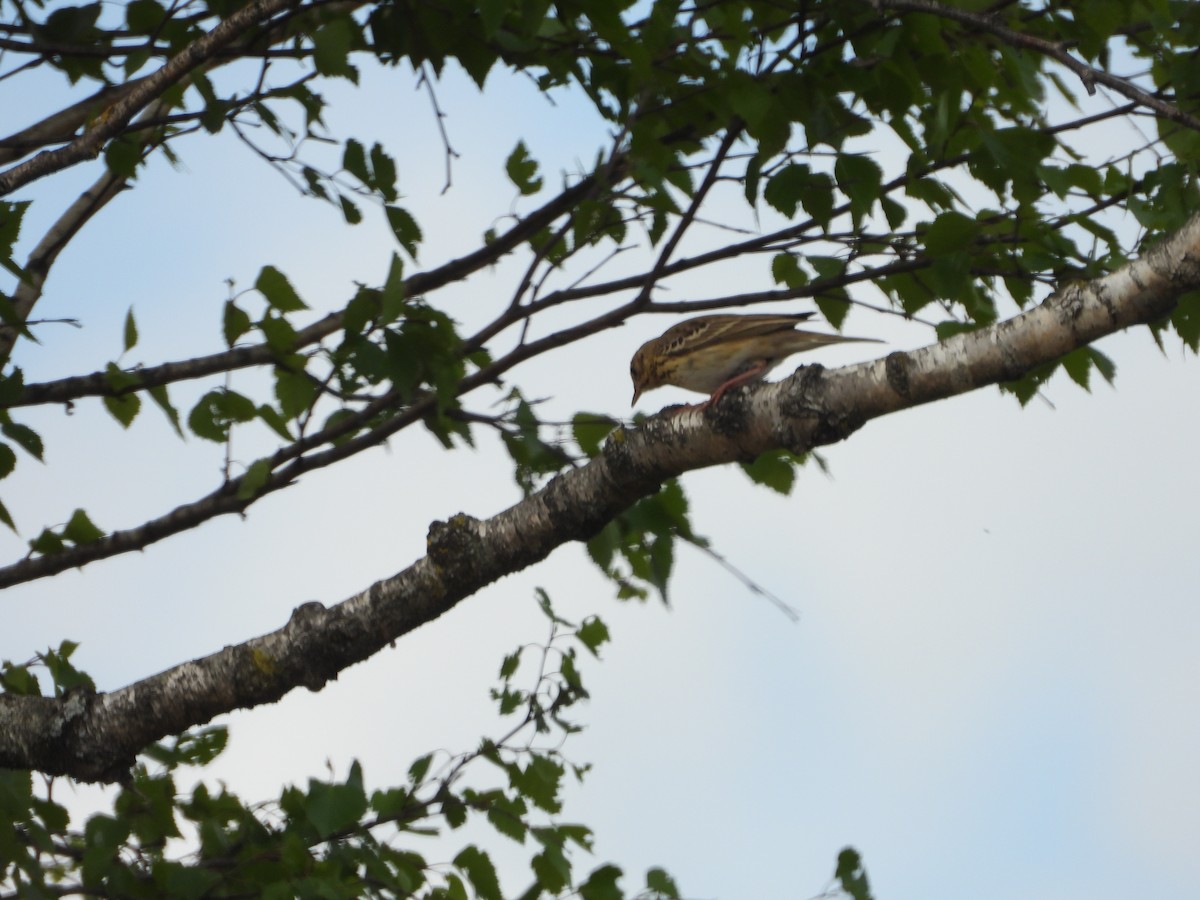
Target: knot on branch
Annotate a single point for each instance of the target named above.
(455, 547)
(76, 703)
(1069, 298)
(728, 417)
(808, 420)
(307, 615)
(896, 365)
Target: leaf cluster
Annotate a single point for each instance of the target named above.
(992, 190)
(333, 837)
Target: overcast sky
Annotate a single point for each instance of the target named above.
(992, 688)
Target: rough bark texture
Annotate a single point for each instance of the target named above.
(96, 737)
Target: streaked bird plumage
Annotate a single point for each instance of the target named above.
(711, 354)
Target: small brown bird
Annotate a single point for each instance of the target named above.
(712, 354)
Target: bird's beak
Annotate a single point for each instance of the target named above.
(637, 392)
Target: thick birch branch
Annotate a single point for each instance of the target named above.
(96, 737)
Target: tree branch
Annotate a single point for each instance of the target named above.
(1089, 75)
(97, 384)
(114, 119)
(62, 125)
(95, 737)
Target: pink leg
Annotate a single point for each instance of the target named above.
(749, 375)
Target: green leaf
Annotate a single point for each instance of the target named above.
(186, 882)
(254, 479)
(453, 810)
(12, 387)
(235, 323)
(391, 298)
(547, 607)
(144, 16)
(195, 748)
(603, 547)
(894, 212)
(590, 430)
(479, 870)
(602, 884)
(784, 188)
(539, 782)
(1105, 366)
(11, 215)
(522, 170)
(122, 156)
(350, 211)
(71, 24)
(383, 169)
(661, 884)
(131, 334)
(1078, 365)
(405, 227)
(279, 332)
(507, 816)
(278, 291)
(295, 391)
(455, 889)
(951, 232)
(775, 469)
(419, 768)
(551, 867)
(1185, 319)
(17, 680)
(333, 808)
(24, 436)
(159, 395)
(593, 633)
(212, 415)
(80, 529)
(47, 543)
(392, 803)
(354, 161)
(64, 675)
(851, 875)
(785, 269)
(859, 178)
(508, 666)
(8, 460)
(831, 301)
(950, 328)
(123, 408)
(491, 14)
(331, 49)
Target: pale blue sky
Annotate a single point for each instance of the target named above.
(992, 688)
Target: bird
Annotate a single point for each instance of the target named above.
(712, 354)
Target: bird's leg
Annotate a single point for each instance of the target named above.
(753, 371)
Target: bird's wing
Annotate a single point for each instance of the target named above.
(706, 330)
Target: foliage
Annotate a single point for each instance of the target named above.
(941, 157)
(945, 164)
(334, 837)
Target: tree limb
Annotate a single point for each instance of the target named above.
(114, 119)
(97, 384)
(1089, 75)
(95, 737)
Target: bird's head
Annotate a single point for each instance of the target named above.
(644, 371)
